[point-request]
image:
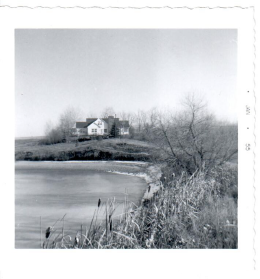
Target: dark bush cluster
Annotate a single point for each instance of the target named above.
(53, 137)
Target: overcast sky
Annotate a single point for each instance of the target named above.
(126, 69)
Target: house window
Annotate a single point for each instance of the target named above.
(94, 130)
(105, 130)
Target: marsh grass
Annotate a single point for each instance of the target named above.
(197, 211)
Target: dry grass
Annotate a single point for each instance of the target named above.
(107, 149)
(198, 211)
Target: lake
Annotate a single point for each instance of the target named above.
(48, 190)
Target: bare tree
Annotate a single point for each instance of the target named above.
(130, 117)
(148, 121)
(67, 120)
(194, 139)
(208, 142)
(161, 134)
(123, 115)
(48, 127)
(108, 111)
(140, 120)
(62, 131)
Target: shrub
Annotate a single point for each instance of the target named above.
(54, 136)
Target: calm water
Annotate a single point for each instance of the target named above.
(51, 190)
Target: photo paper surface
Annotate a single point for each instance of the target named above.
(136, 136)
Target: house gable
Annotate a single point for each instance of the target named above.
(98, 127)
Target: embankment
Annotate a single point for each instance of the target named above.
(110, 149)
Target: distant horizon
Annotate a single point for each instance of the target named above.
(127, 69)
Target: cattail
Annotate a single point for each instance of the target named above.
(99, 202)
(76, 241)
(156, 209)
(48, 232)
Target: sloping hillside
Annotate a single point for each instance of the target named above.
(107, 149)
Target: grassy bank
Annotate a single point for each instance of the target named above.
(198, 211)
(109, 149)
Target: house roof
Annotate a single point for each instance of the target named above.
(120, 123)
(81, 124)
(91, 120)
(111, 118)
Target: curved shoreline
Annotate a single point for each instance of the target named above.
(151, 177)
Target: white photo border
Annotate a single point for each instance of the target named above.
(140, 263)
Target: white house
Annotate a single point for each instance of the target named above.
(99, 126)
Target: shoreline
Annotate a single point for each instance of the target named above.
(151, 177)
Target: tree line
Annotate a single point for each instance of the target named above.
(190, 139)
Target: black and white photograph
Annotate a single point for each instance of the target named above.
(129, 139)
(126, 139)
